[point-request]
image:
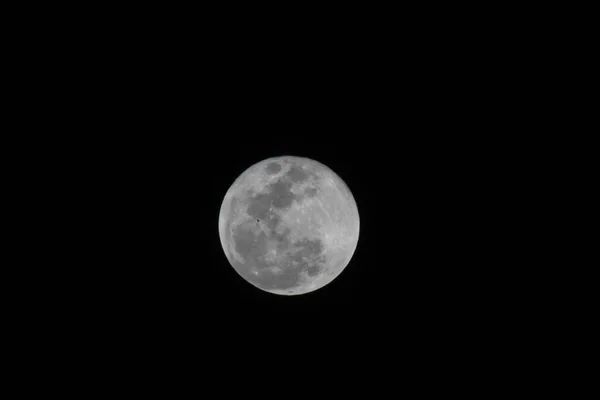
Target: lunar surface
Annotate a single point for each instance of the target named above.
(289, 225)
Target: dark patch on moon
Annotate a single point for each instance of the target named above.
(310, 192)
(282, 237)
(247, 243)
(258, 206)
(273, 168)
(310, 255)
(282, 197)
(296, 174)
(277, 195)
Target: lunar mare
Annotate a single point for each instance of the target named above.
(289, 225)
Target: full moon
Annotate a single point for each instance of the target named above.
(289, 225)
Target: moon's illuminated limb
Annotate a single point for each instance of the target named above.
(330, 215)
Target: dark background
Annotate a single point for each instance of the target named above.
(417, 156)
(149, 123)
(416, 149)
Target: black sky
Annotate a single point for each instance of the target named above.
(413, 134)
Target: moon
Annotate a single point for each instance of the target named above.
(289, 225)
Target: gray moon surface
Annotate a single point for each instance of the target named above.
(289, 225)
